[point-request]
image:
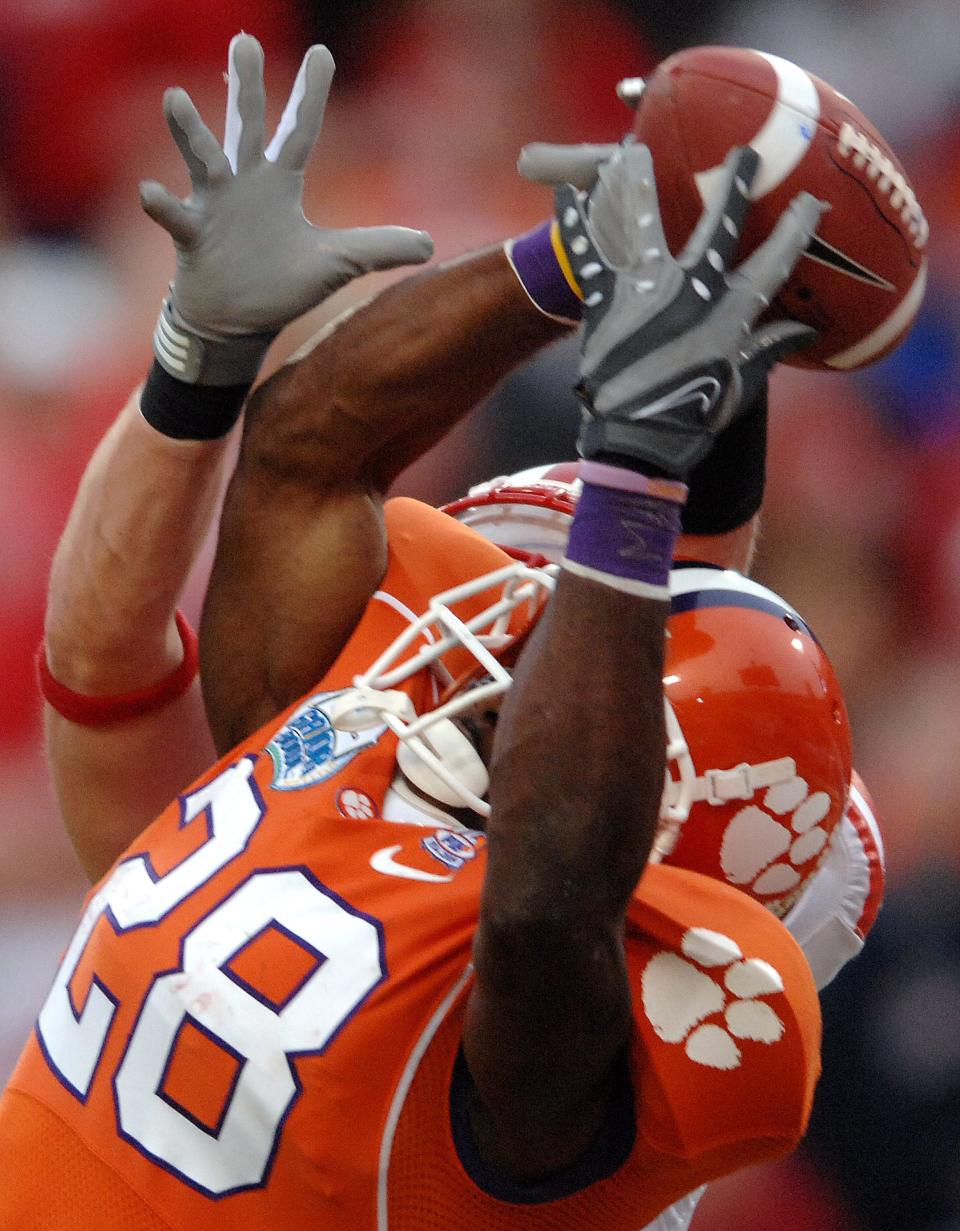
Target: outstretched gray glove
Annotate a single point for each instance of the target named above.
(670, 351)
(543, 163)
(248, 261)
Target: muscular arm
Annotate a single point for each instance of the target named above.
(575, 792)
(301, 544)
(578, 767)
(116, 577)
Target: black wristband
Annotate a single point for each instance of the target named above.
(190, 412)
(726, 488)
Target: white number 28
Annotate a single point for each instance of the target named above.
(262, 1037)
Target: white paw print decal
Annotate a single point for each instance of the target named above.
(764, 853)
(679, 996)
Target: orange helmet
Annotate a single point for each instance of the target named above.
(758, 754)
(764, 775)
(758, 743)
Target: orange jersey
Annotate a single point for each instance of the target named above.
(257, 1022)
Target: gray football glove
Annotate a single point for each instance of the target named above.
(248, 261)
(543, 163)
(670, 350)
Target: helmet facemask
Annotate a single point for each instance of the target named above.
(469, 658)
(748, 691)
(757, 741)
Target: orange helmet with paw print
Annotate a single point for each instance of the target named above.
(764, 773)
(758, 755)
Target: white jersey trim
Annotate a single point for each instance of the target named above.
(403, 1089)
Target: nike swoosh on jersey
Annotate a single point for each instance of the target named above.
(383, 861)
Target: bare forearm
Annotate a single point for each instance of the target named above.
(575, 790)
(394, 377)
(290, 582)
(578, 762)
(139, 519)
(323, 439)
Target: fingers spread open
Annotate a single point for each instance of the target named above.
(711, 250)
(244, 132)
(563, 164)
(302, 117)
(367, 248)
(769, 266)
(201, 150)
(164, 208)
(624, 215)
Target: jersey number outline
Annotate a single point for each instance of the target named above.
(262, 1037)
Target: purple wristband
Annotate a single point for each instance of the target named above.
(624, 535)
(534, 261)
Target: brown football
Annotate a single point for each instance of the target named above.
(862, 278)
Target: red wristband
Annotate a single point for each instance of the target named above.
(101, 711)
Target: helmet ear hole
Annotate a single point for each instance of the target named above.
(455, 752)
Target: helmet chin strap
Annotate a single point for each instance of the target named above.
(439, 760)
(444, 764)
(433, 753)
(715, 786)
(403, 802)
(719, 786)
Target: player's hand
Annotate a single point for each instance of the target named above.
(563, 164)
(248, 261)
(544, 163)
(671, 349)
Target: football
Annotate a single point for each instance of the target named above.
(862, 278)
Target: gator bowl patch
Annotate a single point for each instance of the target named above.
(308, 748)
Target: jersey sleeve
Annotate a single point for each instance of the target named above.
(833, 917)
(727, 1025)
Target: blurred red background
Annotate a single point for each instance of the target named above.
(431, 104)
